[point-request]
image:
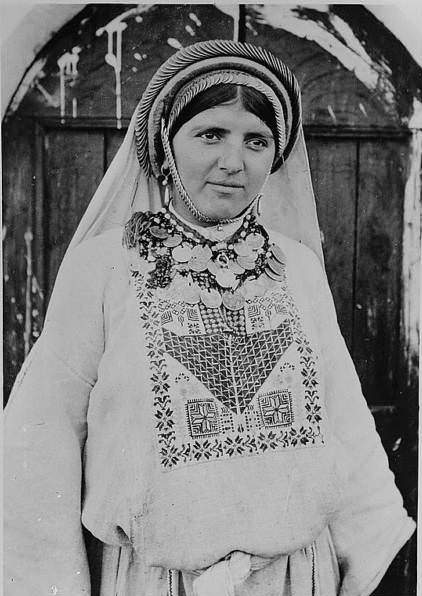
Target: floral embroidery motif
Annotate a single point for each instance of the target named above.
(276, 408)
(240, 409)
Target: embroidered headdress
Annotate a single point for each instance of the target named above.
(130, 184)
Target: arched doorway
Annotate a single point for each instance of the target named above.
(359, 90)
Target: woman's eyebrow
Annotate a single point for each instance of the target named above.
(260, 133)
(221, 130)
(210, 127)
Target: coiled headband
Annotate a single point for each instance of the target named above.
(205, 63)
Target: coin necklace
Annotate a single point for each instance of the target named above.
(214, 273)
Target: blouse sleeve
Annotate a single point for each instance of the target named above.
(371, 524)
(45, 430)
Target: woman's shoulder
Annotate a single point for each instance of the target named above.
(296, 252)
(88, 270)
(101, 250)
(109, 241)
(94, 261)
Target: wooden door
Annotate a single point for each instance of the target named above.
(57, 146)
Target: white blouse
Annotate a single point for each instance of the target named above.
(193, 437)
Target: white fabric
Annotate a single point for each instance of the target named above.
(288, 205)
(222, 578)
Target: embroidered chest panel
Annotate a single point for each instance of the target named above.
(229, 383)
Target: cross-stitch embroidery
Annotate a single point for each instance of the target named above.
(219, 392)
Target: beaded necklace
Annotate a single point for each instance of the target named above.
(216, 273)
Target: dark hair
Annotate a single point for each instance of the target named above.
(252, 101)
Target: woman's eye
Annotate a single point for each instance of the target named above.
(258, 143)
(210, 135)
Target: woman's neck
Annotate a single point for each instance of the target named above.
(215, 232)
(179, 209)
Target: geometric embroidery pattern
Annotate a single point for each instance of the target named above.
(276, 408)
(202, 418)
(212, 319)
(232, 369)
(213, 430)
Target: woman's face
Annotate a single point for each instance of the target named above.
(223, 156)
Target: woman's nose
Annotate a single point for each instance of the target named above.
(231, 158)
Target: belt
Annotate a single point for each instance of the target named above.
(221, 578)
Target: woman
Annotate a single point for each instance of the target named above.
(199, 368)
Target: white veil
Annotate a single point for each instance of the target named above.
(288, 204)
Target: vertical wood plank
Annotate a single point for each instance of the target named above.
(17, 151)
(333, 166)
(39, 191)
(378, 268)
(114, 139)
(410, 324)
(38, 244)
(73, 170)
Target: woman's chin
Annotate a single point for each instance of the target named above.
(224, 207)
(219, 214)
(217, 208)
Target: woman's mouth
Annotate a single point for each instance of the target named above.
(227, 187)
